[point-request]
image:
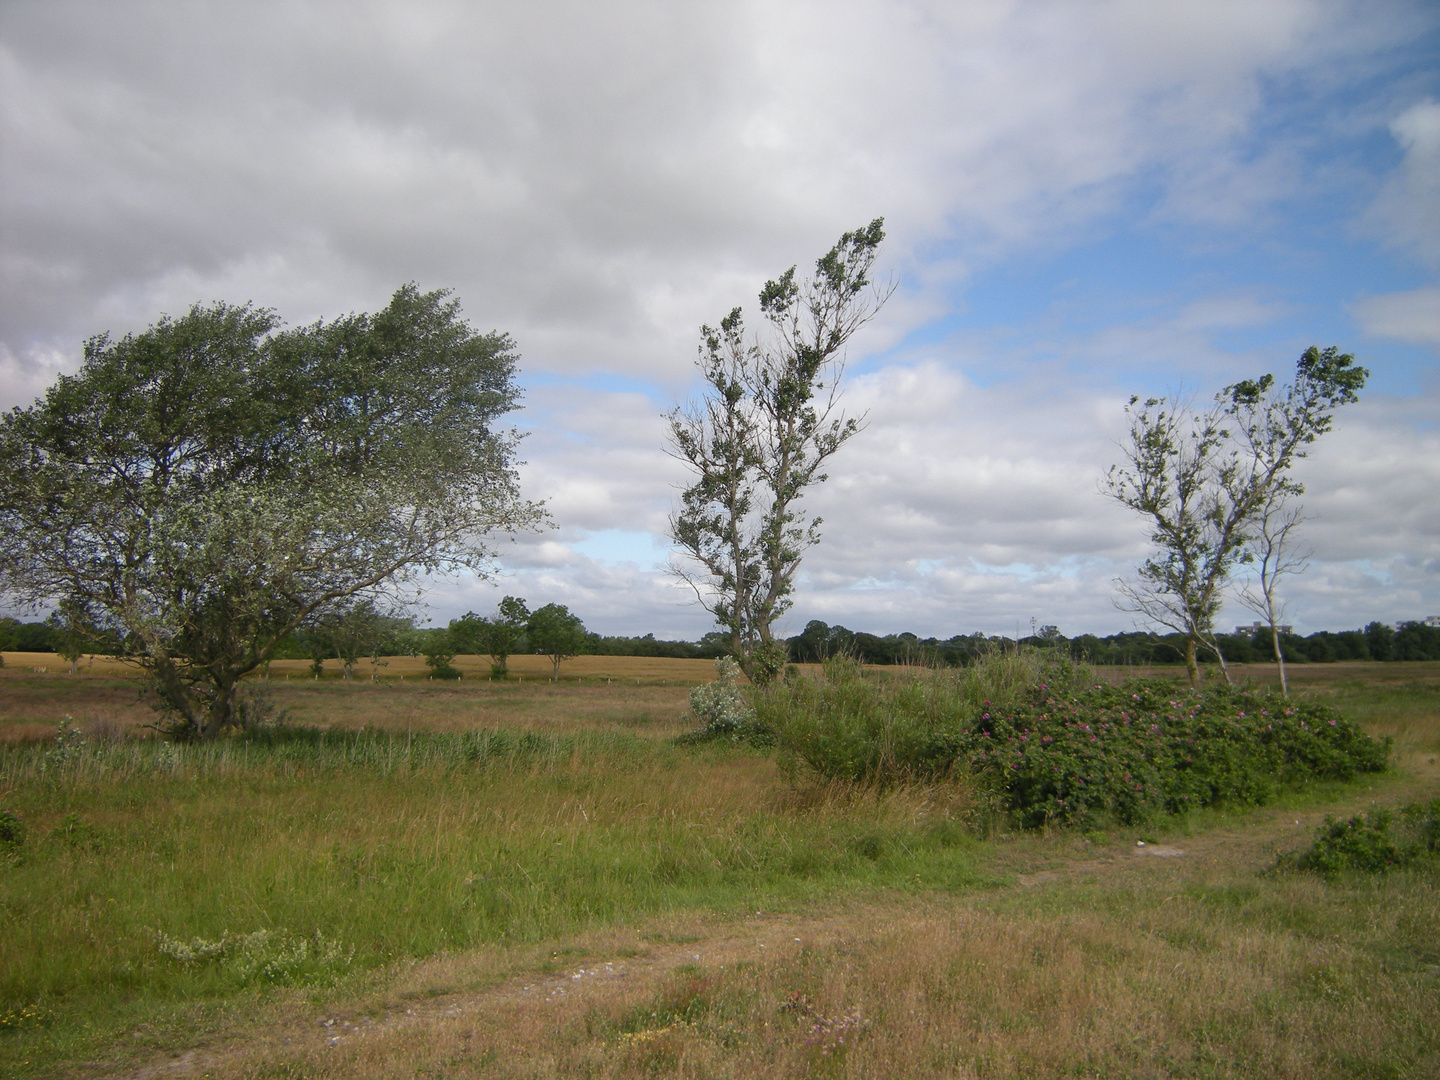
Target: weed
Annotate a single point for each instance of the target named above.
(68, 747)
(270, 956)
(721, 709)
(25, 1018)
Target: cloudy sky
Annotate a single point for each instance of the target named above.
(1083, 201)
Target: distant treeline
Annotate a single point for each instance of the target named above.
(819, 641)
(1378, 641)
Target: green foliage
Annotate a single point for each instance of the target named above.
(1375, 842)
(357, 630)
(759, 439)
(498, 636)
(766, 661)
(721, 709)
(439, 651)
(850, 725)
(1055, 750)
(556, 633)
(12, 831)
(1146, 748)
(1200, 480)
(202, 489)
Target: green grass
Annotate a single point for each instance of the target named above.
(397, 845)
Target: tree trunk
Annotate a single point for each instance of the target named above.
(1192, 666)
(222, 712)
(555, 669)
(1279, 658)
(1224, 667)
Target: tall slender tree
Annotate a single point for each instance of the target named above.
(1275, 552)
(1202, 481)
(759, 439)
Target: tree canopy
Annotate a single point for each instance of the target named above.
(553, 631)
(201, 489)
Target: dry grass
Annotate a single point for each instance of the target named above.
(1053, 955)
(635, 693)
(1157, 969)
(664, 670)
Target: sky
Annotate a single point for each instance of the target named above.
(1082, 201)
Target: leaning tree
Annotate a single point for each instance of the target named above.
(197, 491)
(758, 440)
(1205, 480)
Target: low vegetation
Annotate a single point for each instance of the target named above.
(396, 844)
(1053, 747)
(1376, 842)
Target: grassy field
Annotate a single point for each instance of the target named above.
(534, 879)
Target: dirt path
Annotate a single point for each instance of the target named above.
(617, 968)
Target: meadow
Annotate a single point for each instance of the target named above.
(535, 879)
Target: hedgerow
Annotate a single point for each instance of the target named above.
(1065, 753)
(1145, 748)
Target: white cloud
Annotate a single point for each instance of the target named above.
(1409, 206)
(596, 180)
(1405, 316)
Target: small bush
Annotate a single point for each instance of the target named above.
(721, 709)
(257, 710)
(1356, 843)
(440, 666)
(12, 831)
(1374, 843)
(78, 834)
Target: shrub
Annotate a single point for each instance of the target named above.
(440, 666)
(1369, 844)
(721, 709)
(849, 725)
(1356, 843)
(257, 710)
(12, 831)
(1059, 751)
(1146, 748)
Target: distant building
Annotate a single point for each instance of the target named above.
(1433, 620)
(1255, 627)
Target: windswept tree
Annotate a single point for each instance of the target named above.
(759, 438)
(1275, 426)
(204, 488)
(1203, 479)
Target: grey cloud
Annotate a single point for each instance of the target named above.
(597, 180)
